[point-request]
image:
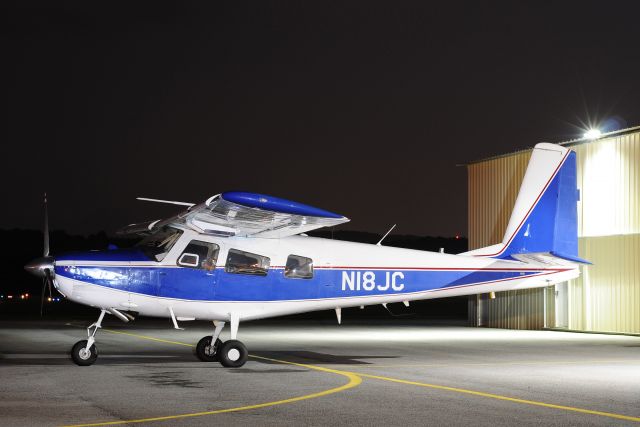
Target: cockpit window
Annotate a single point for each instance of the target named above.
(158, 244)
(198, 254)
(298, 267)
(240, 262)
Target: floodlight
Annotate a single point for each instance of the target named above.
(592, 134)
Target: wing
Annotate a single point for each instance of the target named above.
(238, 213)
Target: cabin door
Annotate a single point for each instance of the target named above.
(195, 277)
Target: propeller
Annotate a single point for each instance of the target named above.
(43, 267)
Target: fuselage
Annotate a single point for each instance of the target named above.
(210, 278)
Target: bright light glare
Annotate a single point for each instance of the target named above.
(592, 134)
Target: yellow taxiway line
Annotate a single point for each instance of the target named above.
(507, 398)
(354, 381)
(355, 378)
(458, 365)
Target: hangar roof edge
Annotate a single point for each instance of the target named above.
(569, 143)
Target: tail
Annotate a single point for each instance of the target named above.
(545, 217)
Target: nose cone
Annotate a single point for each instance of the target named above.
(39, 265)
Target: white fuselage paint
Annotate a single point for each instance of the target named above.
(373, 267)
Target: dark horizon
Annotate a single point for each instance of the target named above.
(362, 108)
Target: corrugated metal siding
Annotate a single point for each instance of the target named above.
(523, 309)
(493, 188)
(607, 296)
(514, 310)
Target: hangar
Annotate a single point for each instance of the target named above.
(606, 298)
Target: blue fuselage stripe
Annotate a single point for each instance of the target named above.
(218, 285)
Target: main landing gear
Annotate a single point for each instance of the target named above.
(230, 354)
(85, 353)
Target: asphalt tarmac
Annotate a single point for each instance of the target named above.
(318, 373)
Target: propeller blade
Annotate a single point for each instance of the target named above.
(46, 227)
(49, 279)
(44, 288)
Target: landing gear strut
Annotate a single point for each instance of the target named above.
(230, 354)
(207, 352)
(85, 353)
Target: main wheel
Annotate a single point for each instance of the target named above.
(232, 354)
(82, 357)
(206, 352)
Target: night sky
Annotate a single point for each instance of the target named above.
(363, 108)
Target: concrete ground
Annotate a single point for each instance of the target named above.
(319, 373)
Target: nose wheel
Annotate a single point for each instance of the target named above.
(85, 353)
(81, 355)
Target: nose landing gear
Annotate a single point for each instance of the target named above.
(85, 353)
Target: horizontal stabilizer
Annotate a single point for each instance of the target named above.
(571, 258)
(548, 259)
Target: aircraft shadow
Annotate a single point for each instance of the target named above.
(62, 359)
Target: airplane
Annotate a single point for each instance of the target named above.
(242, 256)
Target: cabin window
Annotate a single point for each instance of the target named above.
(198, 254)
(298, 267)
(240, 262)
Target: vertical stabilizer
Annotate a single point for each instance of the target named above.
(545, 216)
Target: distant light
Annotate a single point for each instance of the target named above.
(10, 297)
(592, 134)
(457, 237)
(49, 299)
(26, 295)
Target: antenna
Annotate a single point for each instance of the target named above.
(169, 202)
(383, 237)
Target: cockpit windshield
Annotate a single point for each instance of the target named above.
(158, 244)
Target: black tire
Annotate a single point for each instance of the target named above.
(232, 354)
(204, 351)
(78, 354)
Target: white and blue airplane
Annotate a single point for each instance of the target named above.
(244, 256)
